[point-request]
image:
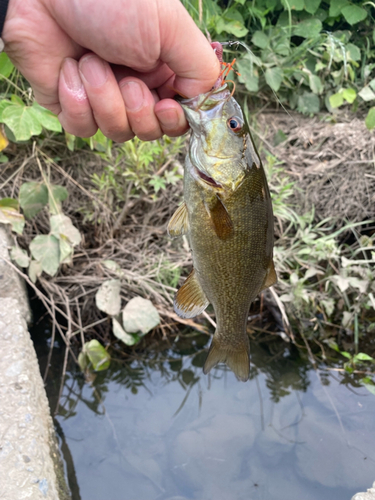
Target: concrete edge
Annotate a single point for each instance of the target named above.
(29, 454)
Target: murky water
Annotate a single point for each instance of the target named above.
(160, 429)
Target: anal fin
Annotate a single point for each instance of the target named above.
(178, 225)
(190, 299)
(271, 277)
(238, 360)
(221, 219)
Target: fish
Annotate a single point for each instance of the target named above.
(228, 220)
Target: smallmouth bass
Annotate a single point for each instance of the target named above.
(227, 216)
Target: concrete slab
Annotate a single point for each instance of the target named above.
(30, 464)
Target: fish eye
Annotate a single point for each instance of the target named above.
(234, 124)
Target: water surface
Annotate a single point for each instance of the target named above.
(158, 429)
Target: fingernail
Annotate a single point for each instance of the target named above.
(132, 93)
(168, 117)
(93, 70)
(71, 76)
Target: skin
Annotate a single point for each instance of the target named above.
(114, 65)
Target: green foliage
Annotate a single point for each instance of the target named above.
(94, 357)
(315, 54)
(47, 251)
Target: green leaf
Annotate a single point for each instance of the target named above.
(4, 103)
(10, 203)
(336, 7)
(354, 14)
(70, 140)
(33, 197)
(308, 103)
(274, 77)
(11, 215)
(56, 194)
(6, 67)
(46, 249)
(122, 335)
(309, 28)
(140, 316)
(311, 6)
(369, 384)
(293, 4)
(315, 84)
(66, 250)
(35, 270)
(20, 256)
(108, 298)
(370, 119)
(46, 118)
(361, 356)
(336, 100)
(21, 121)
(260, 39)
(353, 52)
(61, 225)
(231, 22)
(97, 355)
(367, 94)
(349, 95)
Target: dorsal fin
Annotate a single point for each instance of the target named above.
(221, 219)
(179, 224)
(271, 277)
(190, 299)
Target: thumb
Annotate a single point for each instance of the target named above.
(186, 50)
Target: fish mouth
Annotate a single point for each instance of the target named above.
(205, 101)
(207, 179)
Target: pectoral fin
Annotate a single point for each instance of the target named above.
(271, 277)
(220, 218)
(178, 225)
(190, 299)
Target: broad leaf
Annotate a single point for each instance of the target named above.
(260, 39)
(61, 225)
(122, 335)
(46, 249)
(11, 215)
(316, 84)
(248, 75)
(35, 270)
(336, 7)
(274, 77)
(140, 316)
(66, 250)
(308, 103)
(354, 14)
(56, 194)
(33, 197)
(293, 4)
(353, 52)
(21, 121)
(311, 6)
(20, 256)
(336, 100)
(367, 94)
(309, 28)
(46, 118)
(370, 119)
(6, 67)
(349, 95)
(108, 298)
(96, 354)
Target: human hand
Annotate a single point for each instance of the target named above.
(111, 64)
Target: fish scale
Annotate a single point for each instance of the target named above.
(227, 216)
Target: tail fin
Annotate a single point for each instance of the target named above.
(237, 359)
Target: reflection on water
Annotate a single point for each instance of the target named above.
(160, 429)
